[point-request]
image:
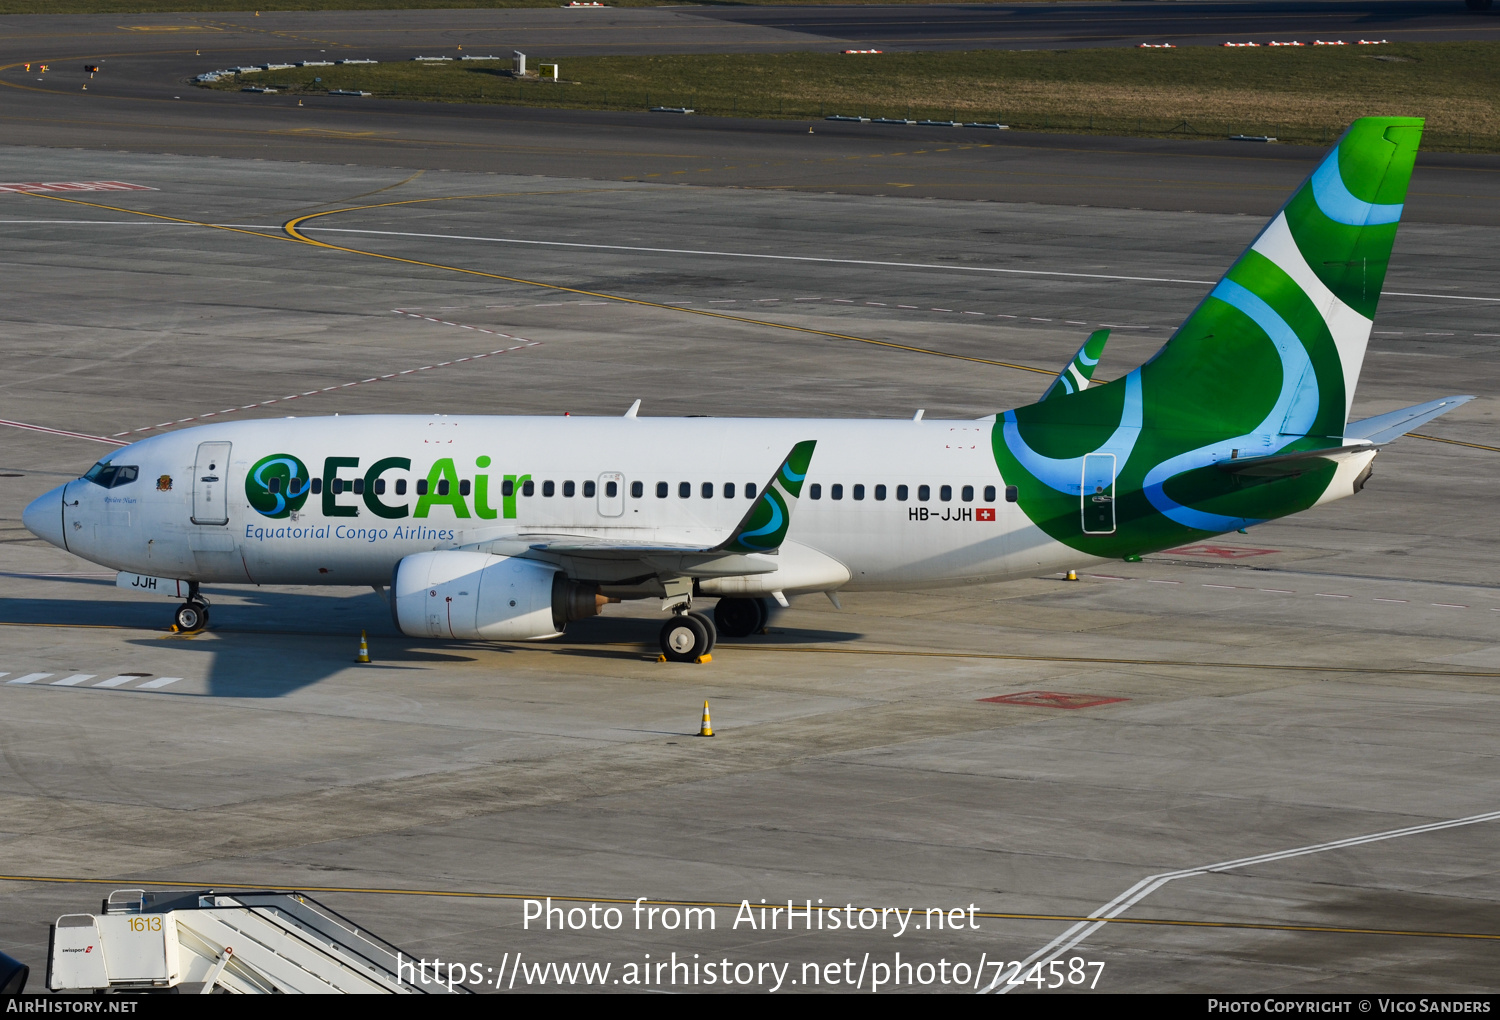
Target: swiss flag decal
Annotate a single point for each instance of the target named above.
(984, 513)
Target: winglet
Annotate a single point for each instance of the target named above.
(764, 527)
(634, 408)
(1076, 374)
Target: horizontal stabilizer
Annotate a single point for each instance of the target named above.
(1288, 465)
(1383, 428)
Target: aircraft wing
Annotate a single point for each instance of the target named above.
(749, 548)
(1384, 428)
(1077, 373)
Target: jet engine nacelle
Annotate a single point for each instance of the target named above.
(473, 595)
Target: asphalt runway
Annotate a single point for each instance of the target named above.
(142, 102)
(1279, 694)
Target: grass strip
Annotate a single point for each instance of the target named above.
(1295, 94)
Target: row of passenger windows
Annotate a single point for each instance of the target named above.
(663, 489)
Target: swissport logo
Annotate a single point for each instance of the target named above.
(277, 485)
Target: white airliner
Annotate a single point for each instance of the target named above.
(508, 528)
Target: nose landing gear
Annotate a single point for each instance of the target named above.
(192, 615)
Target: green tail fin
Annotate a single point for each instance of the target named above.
(1286, 327)
(1076, 374)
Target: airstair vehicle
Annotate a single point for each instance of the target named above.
(248, 942)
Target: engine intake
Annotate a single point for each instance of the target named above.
(473, 595)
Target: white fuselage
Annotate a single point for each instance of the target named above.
(166, 522)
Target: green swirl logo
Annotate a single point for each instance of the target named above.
(277, 485)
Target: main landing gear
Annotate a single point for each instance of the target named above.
(739, 618)
(688, 637)
(192, 615)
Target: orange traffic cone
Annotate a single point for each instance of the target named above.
(364, 649)
(707, 729)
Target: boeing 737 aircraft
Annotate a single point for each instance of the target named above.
(508, 528)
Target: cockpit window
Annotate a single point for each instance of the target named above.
(112, 476)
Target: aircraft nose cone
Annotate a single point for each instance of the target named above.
(43, 518)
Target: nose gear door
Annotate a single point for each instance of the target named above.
(1097, 494)
(210, 484)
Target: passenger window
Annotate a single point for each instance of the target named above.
(661, 490)
(528, 488)
(637, 489)
(684, 489)
(401, 486)
(880, 492)
(380, 486)
(588, 490)
(463, 487)
(728, 490)
(859, 492)
(924, 493)
(611, 489)
(968, 493)
(359, 486)
(902, 493)
(749, 490)
(568, 489)
(815, 491)
(549, 489)
(273, 486)
(708, 490)
(443, 486)
(421, 486)
(989, 494)
(1012, 494)
(336, 486)
(945, 493)
(836, 491)
(507, 487)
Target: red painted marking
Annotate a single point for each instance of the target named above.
(984, 513)
(1052, 699)
(74, 186)
(1222, 552)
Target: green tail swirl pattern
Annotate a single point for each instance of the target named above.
(1266, 364)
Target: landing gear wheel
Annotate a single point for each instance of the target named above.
(684, 638)
(709, 629)
(191, 616)
(739, 618)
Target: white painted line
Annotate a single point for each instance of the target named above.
(1329, 595)
(1450, 605)
(4, 674)
(29, 678)
(1229, 586)
(73, 681)
(784, 258)
(159, 682)
(1443, 297)
(60, 432)
(1391, 600)
(1146, 886)
(1152, 580)
(1280, 591)
(116, 681)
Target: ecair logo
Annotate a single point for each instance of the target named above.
(278, 485)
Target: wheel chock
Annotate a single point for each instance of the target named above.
(661, 658)
(705, 657)
(707, 729)
(364, 649)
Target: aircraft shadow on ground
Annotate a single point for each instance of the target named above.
(270, 644)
